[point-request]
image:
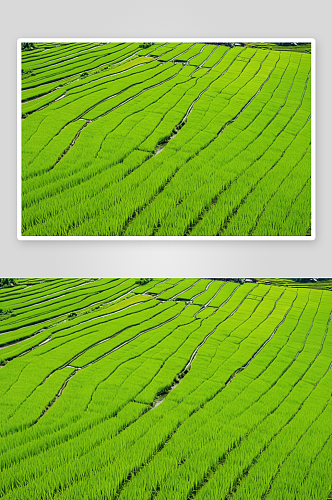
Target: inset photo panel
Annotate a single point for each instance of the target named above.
(166, 138)
(166, 388)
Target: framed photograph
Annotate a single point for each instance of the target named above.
(166, 138)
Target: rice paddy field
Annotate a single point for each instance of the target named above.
(165, 389)
(324, 284)
(166, 139)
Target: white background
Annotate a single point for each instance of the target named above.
(180, 18)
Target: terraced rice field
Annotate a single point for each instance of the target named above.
(172, 389)
(166, 139)
(325, 284)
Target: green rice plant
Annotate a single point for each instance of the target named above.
(208, 295)
(196, 290)
(71, 180)
(164, 285)
(130, 140)
(216, 56)
(203, 56)
(164, 49)
(178, 289)
(171, 55)
(233, 404)
(85, 63)
(192, 52)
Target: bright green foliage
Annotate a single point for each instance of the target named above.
(166, 139)
(165, 388)
(319, 284)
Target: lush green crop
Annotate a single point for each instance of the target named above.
(319, 284)
(173, 388)
(166, 139)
